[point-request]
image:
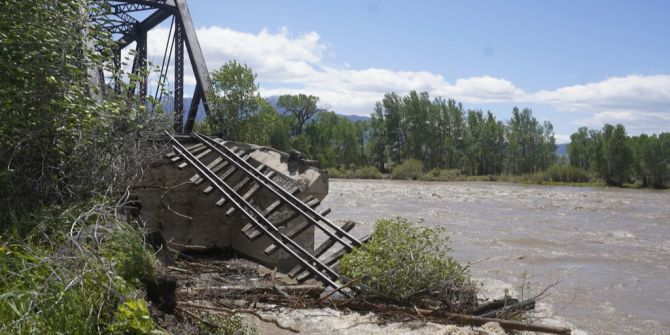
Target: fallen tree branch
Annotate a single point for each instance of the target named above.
(440, 316)
(337, 290)
(240, 311)
(289, 289)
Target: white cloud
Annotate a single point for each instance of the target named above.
(289, 64)
(642, 103)
(281, 59)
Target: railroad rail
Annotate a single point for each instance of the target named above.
(215, 162)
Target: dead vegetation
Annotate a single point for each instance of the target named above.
(212, 287)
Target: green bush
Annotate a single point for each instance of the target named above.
(53, 283)
(334, 172)
(133, 318)
(409, 169)
(443, 175)
(367, 172)
(131, 258)
(364, 172)
(567, 173)
(402, 261)
(46, 294)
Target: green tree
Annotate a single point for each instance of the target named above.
(531, 146)
(261, 127)
(302, 107)
(61, 133)
(395, 129)
(578, 149)
(378, 137)
(233, 99)
(613, 155)
(651, 158)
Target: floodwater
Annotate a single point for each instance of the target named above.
(609, 249)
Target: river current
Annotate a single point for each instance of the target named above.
(609, 249)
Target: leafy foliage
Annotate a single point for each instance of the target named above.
(401, 261)
(302, 107)
(567, 173)
(132, 259)
(617, 158)
(63, 133)
(409, 169)
(233, 99)
(133, 318)
(50, 286)
(68, 146)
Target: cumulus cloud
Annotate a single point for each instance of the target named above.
(642, 103)
(287, 64)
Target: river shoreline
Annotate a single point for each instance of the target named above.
(608, 247)
(508, 179)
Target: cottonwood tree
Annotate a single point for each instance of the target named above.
(301, 107)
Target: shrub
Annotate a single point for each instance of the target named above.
(409, 169)
(443, 175)
(364, 172)
(567, 173)
(367, 172)
(334, 172)
(407, 263)
(133, 318)
(131, 258)
(52, 282)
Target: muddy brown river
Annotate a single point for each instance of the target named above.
(608, 248)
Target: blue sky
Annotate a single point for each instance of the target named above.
(575, 63)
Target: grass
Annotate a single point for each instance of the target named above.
(364, 172)
(56, 283)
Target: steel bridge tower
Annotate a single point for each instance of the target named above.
(131, 20)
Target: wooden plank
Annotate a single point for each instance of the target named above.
(297, 230)
(331, 261)
(254, 233)
(196, 178)
(215, 167)
(189, 148)
(347, 226)
(254, 188)
(293, 215)
(271, 208)
(198, 156)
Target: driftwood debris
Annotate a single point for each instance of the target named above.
(210, 284)
(449, 318)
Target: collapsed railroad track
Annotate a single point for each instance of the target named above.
(215, 162)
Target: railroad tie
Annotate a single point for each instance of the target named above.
(254, 233)
(318, 252)
(297, 230)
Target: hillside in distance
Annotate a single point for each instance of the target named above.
(168, 106)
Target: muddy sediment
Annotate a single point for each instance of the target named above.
(609, 248)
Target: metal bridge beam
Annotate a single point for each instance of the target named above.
(178, 110)
(120, 21)
(197, 59)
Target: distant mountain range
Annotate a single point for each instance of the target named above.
(562, 150)
(272, 100)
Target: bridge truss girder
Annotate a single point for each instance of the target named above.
(120, 18)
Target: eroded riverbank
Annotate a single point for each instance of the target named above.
(610, 248)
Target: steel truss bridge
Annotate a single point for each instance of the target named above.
(132, 20)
